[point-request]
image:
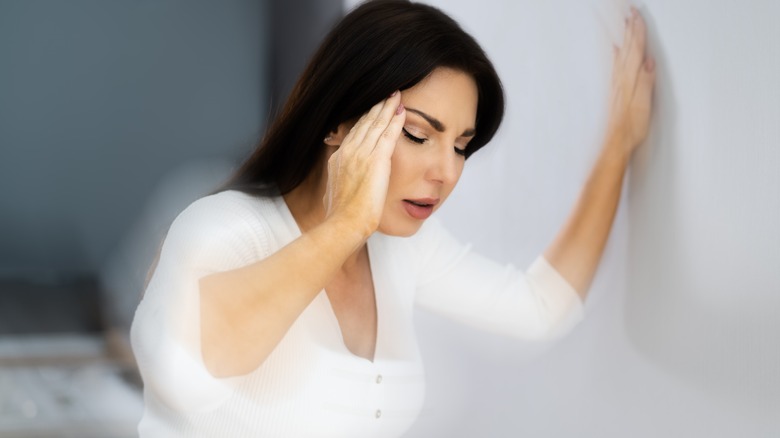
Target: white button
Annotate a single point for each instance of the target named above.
(379, 378)
(378, 413)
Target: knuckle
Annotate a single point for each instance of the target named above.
(379, 123)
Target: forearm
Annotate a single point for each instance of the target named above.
(246, 312)
(576, 250)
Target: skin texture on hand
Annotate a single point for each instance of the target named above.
(633, 77)
(359, 170)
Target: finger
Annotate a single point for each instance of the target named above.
(333, 171)
(628, 37)
(334, 162)
(385, 145)
(358, 131)
(380, 123)
(637, 49)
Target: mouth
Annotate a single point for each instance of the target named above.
(420, 209)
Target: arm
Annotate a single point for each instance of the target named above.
(246, 312)
(577, 249)
(454, 281)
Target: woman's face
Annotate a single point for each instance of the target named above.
(428, 159)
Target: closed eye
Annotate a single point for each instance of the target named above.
(417, 140)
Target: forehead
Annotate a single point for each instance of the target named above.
(448, 95)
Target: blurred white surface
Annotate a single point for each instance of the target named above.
(69, 388)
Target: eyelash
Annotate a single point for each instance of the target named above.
(418, 140)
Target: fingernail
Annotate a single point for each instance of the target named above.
(400, 109)
(393, 93)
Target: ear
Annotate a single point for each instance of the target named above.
(336, 137)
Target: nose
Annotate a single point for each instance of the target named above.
(444, 167)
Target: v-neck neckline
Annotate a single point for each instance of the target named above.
(294, 233)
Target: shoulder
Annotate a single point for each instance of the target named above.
(229, 218)
(230, 205)
(231, 208)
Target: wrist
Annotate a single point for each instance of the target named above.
(616, 151)
(346, 229)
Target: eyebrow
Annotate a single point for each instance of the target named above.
(437, 125)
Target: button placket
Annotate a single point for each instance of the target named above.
(377, 389)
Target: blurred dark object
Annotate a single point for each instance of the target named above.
(56, 305)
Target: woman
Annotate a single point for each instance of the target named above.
(282, 305)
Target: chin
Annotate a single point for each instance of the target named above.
(399, 228)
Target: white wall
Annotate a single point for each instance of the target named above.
(704, 257)
(682, 333)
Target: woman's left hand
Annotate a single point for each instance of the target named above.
(576, 251)
(633, 77)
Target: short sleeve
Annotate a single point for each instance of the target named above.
(213, 234)
(455, 281)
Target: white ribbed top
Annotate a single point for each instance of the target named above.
(311, 385)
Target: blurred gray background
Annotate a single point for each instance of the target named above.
(114, 115)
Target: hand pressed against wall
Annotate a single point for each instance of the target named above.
(633, 77)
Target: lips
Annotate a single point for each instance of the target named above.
(421, 208)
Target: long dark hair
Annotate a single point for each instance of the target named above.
(379, 47)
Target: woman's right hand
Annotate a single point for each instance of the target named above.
(240, 329)
(359, 171)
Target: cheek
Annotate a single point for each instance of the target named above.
(402, 166)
